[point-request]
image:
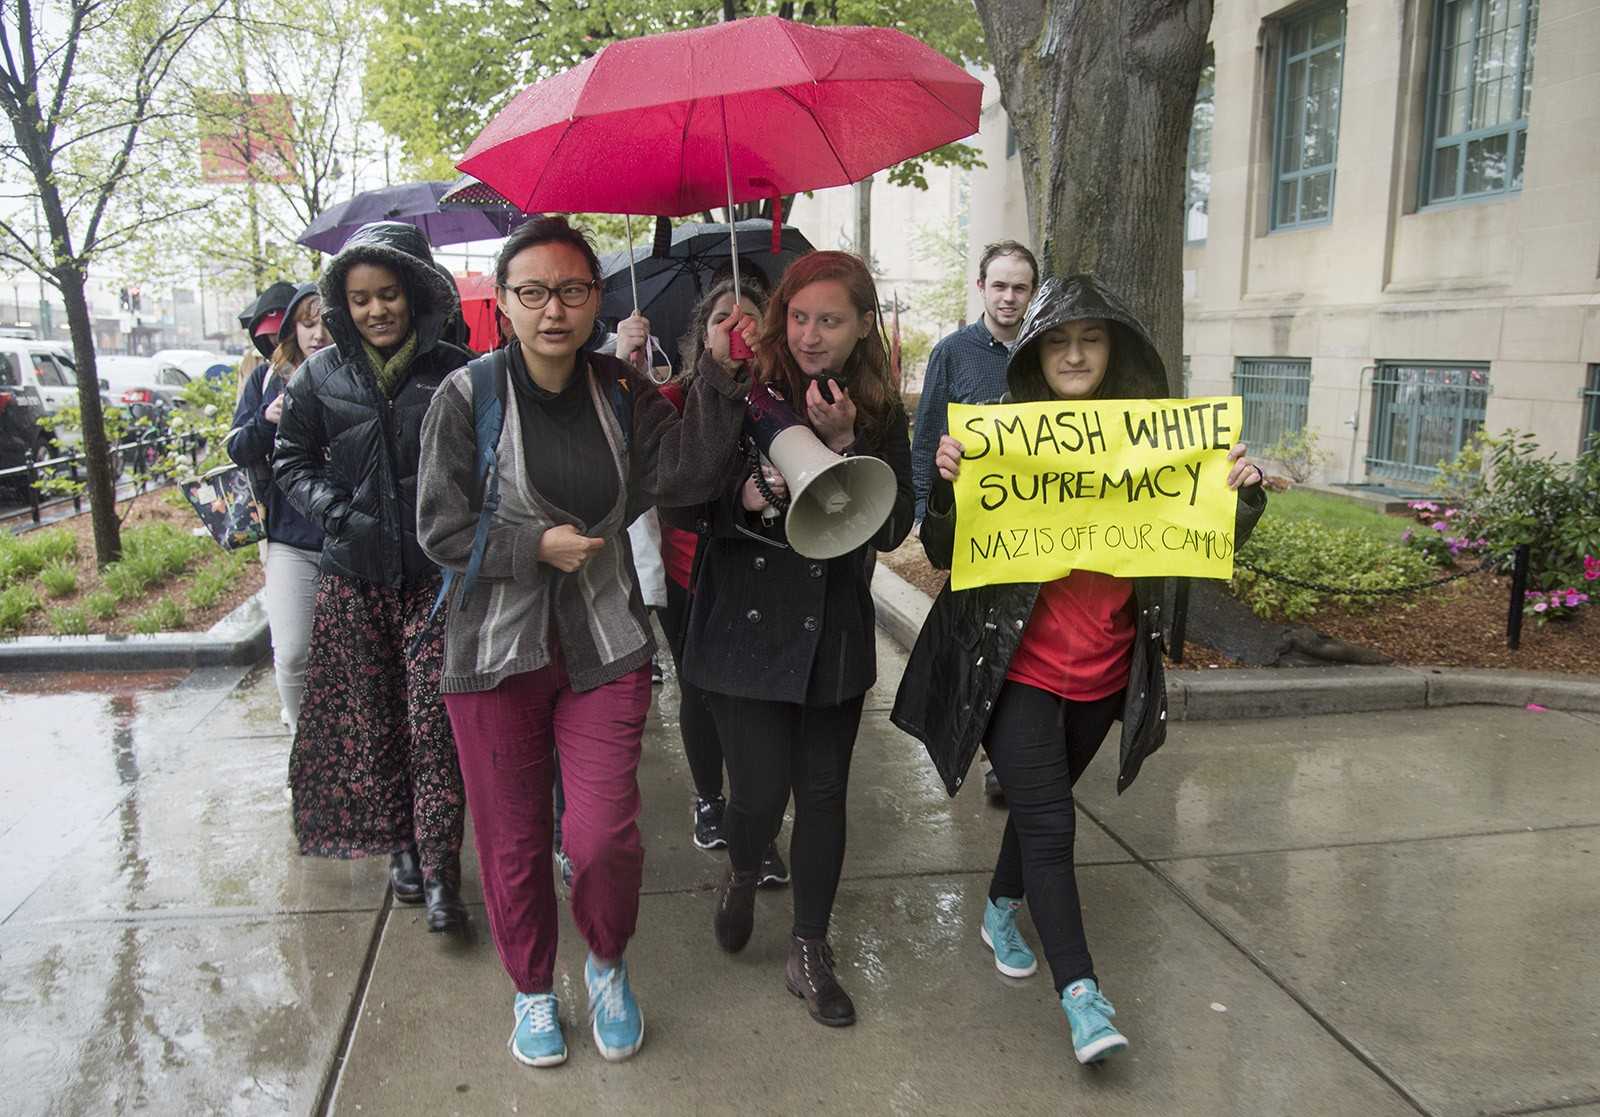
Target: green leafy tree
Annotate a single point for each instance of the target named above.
(438, 71)
(87, 88)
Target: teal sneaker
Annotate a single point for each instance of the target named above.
(618, 1023)
(1089, 1014)
(1011, 954)
(537, 1040)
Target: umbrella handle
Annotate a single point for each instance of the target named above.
(633, 277)
(737, 349)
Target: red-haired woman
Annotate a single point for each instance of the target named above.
(783, 646)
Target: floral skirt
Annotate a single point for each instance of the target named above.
(374, 767)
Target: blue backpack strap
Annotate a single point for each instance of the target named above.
(488, 417)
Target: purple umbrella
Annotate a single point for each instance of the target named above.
(415, 203)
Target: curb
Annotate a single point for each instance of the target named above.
(237, 640)
(1269, 692)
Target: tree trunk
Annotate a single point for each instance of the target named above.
(1099, 94)
(863, 233)
(102, 485)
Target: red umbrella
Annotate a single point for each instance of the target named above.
(478, 310)
(677, 123)
(659, 124)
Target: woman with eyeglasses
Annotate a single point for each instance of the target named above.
(549, 653)
(373, 768)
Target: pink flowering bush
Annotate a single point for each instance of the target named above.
(1554, 605)
(1445, 540)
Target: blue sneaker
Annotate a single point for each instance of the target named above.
(1089, 1014)
(1011, 954)
(537, 1040)
(618, 1023)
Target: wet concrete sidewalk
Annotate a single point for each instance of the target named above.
(1364, 914)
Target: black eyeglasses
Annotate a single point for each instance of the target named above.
(535, 295)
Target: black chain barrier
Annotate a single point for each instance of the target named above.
(1488, 562)
(1517, 559)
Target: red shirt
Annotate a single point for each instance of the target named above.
(1079, 640)
(677, 546)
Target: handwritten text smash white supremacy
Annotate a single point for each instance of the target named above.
(1202, 426)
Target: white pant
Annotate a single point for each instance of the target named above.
(292, 579)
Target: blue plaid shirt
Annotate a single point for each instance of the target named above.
(969, 366)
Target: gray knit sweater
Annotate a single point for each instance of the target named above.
(595, 614)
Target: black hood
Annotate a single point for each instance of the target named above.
(1136, 371)
(403, 250)
(275, 297)
(301, 294)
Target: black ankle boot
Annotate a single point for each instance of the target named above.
(809, 974)
(405, 876)
(736, 911)
(446, 912)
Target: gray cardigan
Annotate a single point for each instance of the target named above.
(596, 614)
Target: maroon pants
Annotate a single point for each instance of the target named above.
(505, 738)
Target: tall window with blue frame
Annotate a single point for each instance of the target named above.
(1591, 408)
(1480, 97)
(1306, 132)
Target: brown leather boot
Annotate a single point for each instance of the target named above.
(736, 911)
(809, 974)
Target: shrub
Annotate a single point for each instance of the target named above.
(1297, 452)
(15, 605)
(21, 557)
(70, 620)
(163, 616)
(102, 604)
(1313, 552)
(1523, 498)
(59, 579)
(123, 581)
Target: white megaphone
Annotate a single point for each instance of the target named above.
(835, 504)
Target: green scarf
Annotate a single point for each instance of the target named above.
(391, 372)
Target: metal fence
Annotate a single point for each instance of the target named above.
(1276, 394)
(132, 459)
(1591, 408)
(1422, 415)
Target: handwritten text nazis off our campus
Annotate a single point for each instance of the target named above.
(1202, 425)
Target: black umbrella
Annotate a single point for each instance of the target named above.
(670, 284)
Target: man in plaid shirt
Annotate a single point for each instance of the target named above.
(969, 366)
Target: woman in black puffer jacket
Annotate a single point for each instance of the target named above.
(374, 764)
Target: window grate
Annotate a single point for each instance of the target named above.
(1276, 396)
(1422, 417)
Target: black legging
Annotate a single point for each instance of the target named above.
(701, 745)
(770, 748)
(1039, 745)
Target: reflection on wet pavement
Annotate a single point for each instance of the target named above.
(1306, 916)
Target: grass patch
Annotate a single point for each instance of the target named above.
(59, 579)
(102, 604)
(1335, 512)
(23, 556)
(163, 615)
(15, 605)
(70, 620)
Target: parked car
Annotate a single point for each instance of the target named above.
(142, 380)
(20, 409)
(46, 366)
(196, 363)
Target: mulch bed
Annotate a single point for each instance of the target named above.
(145, 509)
(1462, 624)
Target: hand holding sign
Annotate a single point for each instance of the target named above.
(1134, 488)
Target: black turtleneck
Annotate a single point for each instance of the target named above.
(569, 458)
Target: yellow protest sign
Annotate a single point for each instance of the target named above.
(1135, 488)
